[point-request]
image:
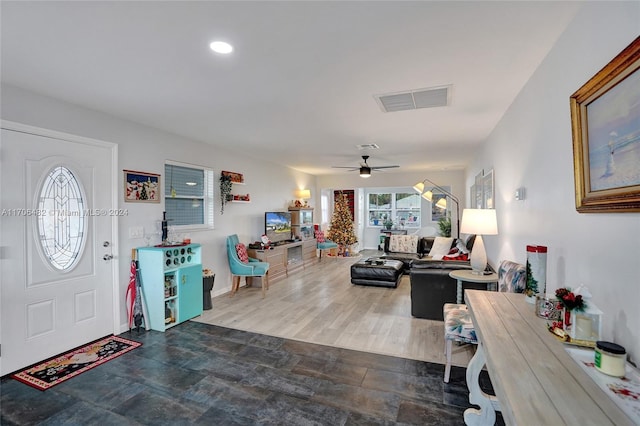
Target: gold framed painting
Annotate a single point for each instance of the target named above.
(605, 124)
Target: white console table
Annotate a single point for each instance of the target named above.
(536, 381)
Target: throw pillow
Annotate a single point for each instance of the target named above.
(461, 247)
(457, 256)
(470, 241)
(403, 244)
(241, 249)
(441, 247)
(320, 237)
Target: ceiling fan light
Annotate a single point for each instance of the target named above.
(365, 172)
(221, 47)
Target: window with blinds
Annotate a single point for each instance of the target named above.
(188, 195)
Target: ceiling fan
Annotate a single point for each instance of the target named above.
(364, 168)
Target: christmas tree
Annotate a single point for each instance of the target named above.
(143, 193)
(341, 231)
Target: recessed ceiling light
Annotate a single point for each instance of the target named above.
(221, 47)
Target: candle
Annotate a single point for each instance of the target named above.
(583, 327)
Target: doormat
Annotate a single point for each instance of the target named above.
(56, 370)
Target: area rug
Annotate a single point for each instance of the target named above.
(63, 367)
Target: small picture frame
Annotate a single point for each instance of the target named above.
(141, 187)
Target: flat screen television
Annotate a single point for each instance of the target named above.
(277, 226)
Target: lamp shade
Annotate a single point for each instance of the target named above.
(479, 222)
(428, 195)
(442, 203)
(303, 194)
(419, 187)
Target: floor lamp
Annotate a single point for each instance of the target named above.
(428, 195)
(479, 222)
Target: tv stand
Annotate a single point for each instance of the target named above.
(285, 257)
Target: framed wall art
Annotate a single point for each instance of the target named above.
(437, 213)
(479, 196)
(605, 124)
(487, 190)
(481, 193)
(141, 187)
(235, 177)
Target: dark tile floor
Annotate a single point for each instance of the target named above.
(202, 374)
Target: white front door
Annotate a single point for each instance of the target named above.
(56, 243)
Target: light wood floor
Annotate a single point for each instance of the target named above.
(320, 305)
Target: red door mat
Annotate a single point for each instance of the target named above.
(63, 367)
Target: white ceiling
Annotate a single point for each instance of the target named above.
(299, 88)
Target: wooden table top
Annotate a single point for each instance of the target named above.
(469, 276)
(535, 379)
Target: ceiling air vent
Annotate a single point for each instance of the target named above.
(368, 146)
(414, 99)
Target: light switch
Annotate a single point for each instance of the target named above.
(136, 232)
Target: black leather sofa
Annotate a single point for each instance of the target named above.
(424, 246)
(431, 285)
(420, 256)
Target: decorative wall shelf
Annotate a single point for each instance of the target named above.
(239, 198)
(227, 181)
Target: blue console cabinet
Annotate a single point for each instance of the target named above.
(171, 284)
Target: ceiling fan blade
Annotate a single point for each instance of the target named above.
(383, 167)
(364, 167)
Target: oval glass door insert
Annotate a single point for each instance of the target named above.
(61, 219)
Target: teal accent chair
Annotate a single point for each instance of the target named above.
(327, 245)
(254, 268)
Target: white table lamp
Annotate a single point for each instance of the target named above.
(479, 222)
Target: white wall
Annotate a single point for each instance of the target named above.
(146, 149)
(532, 147)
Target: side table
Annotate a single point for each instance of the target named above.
(466, 275)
